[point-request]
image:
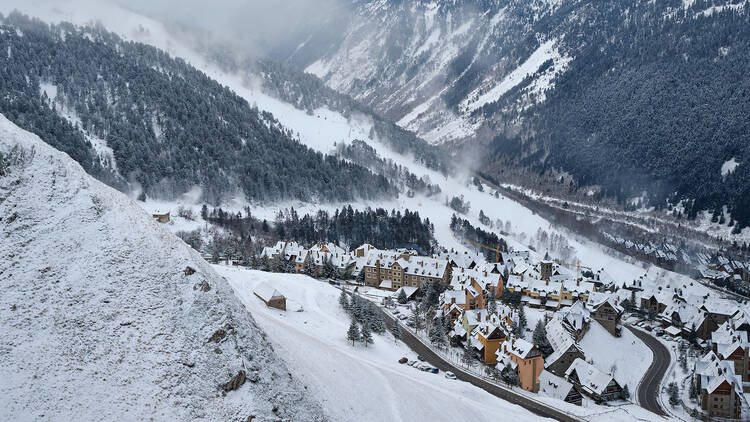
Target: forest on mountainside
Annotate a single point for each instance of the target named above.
(170, 127)
(655, 100)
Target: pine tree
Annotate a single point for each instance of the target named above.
(509, 375)
(265, 264)
(437, 335)
(377, 323)
(492, 302)
(521, 324)
(329, 271)
(693, 388)
(625, 392)
(366, 333)
(416, 319)
(361, 277)
(402, 299)
(468, 353)
(396, 331)
(673, 390)
(344, 300)
(353, 334)
(540, 338)
(309, 268)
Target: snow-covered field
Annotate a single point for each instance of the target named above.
(98, 320)
(625, 357)
(354, 382)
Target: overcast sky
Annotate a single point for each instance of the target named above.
(259, 25)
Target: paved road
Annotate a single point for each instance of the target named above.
(648, 390)
(437, 361)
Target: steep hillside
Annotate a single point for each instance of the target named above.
(99, 321)
(137, 118)
(630, 99)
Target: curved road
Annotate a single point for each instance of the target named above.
(648, 389)
(437, 361)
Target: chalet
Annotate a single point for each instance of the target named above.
(732, 345)
(717, 311)
(525, 358)
(270, 296)
(161, 217)
(556, 387)
(720, 389)
(577, 319)
(490, 336)
(606, 311)
(654, 302)
(564, 346)
(589, 380)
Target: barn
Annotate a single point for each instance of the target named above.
(270, 296)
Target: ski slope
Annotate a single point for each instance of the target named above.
(355, 383)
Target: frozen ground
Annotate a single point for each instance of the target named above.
(98, 320)
(354, 382)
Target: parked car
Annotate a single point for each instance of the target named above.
(450, 375)
(402, 317)
(648, 328)
(434, 370)
(424, 367)
(412, 362)
(395, 312)
(403, 360)
(420, 358)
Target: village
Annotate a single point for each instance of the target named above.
(531, 323)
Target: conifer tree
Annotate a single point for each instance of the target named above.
(468, 353)
(396, 331)
(416, 319)
(402, 299)
(540, 338)
(353, 334)
(437, 335)
(492, 301)
(366, 333)
(344, 300)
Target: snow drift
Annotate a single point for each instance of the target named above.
(100, 319)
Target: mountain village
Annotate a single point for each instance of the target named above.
(481, 309)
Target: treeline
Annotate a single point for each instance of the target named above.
(363, 154)
(346, 226)
(464, 230)
(169, 126)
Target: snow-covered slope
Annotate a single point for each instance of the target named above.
(430, 64)
(98, 320)
(355, 383)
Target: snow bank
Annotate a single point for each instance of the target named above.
(99, 321)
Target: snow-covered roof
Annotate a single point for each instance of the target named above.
(519, 347)
(454, 296)
(590, 377)
(597, 299)
(550, 385)
(267, 292)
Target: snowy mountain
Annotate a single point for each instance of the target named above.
(100, 319)
(620, 98)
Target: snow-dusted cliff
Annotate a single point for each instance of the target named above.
(99, 320)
